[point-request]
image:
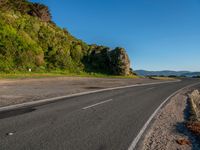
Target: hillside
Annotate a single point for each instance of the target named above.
(30, 39)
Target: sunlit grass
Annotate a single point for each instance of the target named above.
(24, 75)
(163, 78)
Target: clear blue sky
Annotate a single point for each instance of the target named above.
(157, 34)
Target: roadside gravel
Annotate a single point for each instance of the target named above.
(26, 90)
(168, 131)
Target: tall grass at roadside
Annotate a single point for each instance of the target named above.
(194, 122)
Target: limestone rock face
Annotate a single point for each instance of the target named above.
(114, 61)
(120, 62)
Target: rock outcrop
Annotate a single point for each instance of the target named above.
(114, 61)
(41, 11)
(120, 63)
(34, 9)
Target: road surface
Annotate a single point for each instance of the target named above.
(108, 120)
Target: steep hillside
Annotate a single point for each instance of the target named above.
(29, 39)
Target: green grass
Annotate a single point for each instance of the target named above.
(24, 75)
(163, 78)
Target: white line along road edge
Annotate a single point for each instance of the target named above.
(7, 108)
(97, 104)
(137, 138)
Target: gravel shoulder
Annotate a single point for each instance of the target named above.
(26, 90)
(168, 131)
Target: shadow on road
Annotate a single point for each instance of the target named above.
(16, 112)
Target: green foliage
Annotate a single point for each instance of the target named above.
(17, 49)
(29, 39)
(76, 52)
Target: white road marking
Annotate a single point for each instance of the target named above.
(151, 88)
(97, 104)
(7, 108)
(137, 138)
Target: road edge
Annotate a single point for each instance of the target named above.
(37, 102)
(134, 143)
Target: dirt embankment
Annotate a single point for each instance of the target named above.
(193, 124)
(194, 98)
(172, 127)
(25, 90)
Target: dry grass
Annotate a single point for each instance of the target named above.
(163, 78)
(194, 124)
(195, 104)
(183, 142)
(194, 127)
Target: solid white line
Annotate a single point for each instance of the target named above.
(97, 104)
(137, 138)
(6, 108)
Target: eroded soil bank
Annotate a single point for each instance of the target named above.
(169, 131)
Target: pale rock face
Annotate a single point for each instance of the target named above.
(125, 67)
(122, 62)
(114, 61)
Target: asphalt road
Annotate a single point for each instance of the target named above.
(108, 120)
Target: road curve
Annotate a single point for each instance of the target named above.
(107, 120)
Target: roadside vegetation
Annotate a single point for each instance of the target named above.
(24, 75)
(194, 122)
(162, 78)
(196, 77)
(30, 40)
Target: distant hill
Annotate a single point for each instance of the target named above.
(166, 73)
(191, 74)
(30, 39)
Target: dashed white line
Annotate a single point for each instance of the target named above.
(97, 104)
(26, 104)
